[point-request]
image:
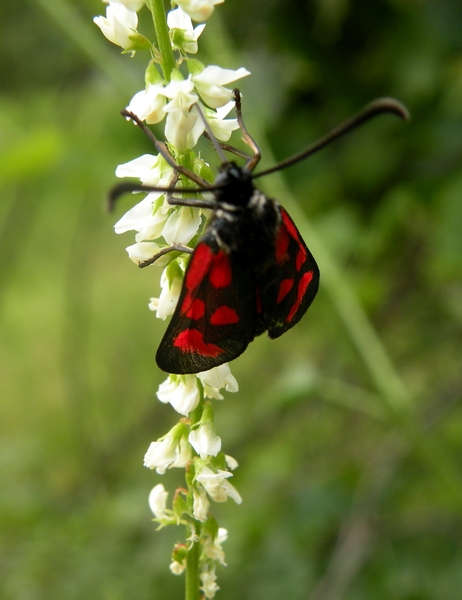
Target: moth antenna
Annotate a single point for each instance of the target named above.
(211, 136)
(374, 109)
(248, 139)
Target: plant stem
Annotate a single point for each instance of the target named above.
(163, 39)
(192, 570)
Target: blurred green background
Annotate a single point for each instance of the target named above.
(349, 442)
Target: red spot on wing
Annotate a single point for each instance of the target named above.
(282, 244)
(192, 341)
(284, 288)
(195, 310)
(220, 275)
(301, 257)
(290, 225)
(224, 315)
(302, 287)
(198, 266)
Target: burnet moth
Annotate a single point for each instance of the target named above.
(250, 271)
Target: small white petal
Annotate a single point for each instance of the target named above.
(231, 462)
(199, 10)
(143, 251)
(217, 378)
(205, 441)
(182, 393)
(209, 84)
(201, 505)
(217, 486)
(181, 226)
(177, 568)
(209, 585)
(135, 5)
(118, 25)
(158, 500)
(170, 292)
(148, 105)
(161, 454)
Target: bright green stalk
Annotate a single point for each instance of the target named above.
(192, 571)
(163, 38)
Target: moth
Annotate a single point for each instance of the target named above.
(250, 272)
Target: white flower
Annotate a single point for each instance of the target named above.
(217, 486)
(221, 127)
(167, 301)
(205, 441)
(158, 500)
(184, 126)
(163, 453)
(209, 84)
(185, 38)
(199, 10)
(217, 378)
(119, 25)
(177, 568)
(141, 219)
(150, 170)
(130, 4)
(209, 585)
(148, 105)
(181, 391)
(213, 549)
(184, 454)
(144, 251)
(231, 462)
(181, 225)
(201, 505)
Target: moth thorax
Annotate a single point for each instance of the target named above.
(237, 186)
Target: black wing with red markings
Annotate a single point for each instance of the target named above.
(215, 318)
(289, 284)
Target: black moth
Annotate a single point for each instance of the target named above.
(250, 271)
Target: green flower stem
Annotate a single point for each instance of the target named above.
(192, 570)
(163, 38)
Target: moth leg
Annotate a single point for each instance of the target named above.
(252, 161)
(230, 148)
(163, 150)
(163, 252)
(192, 202)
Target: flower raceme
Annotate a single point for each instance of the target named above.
(176, 96)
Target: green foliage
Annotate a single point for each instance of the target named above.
(344, 497)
